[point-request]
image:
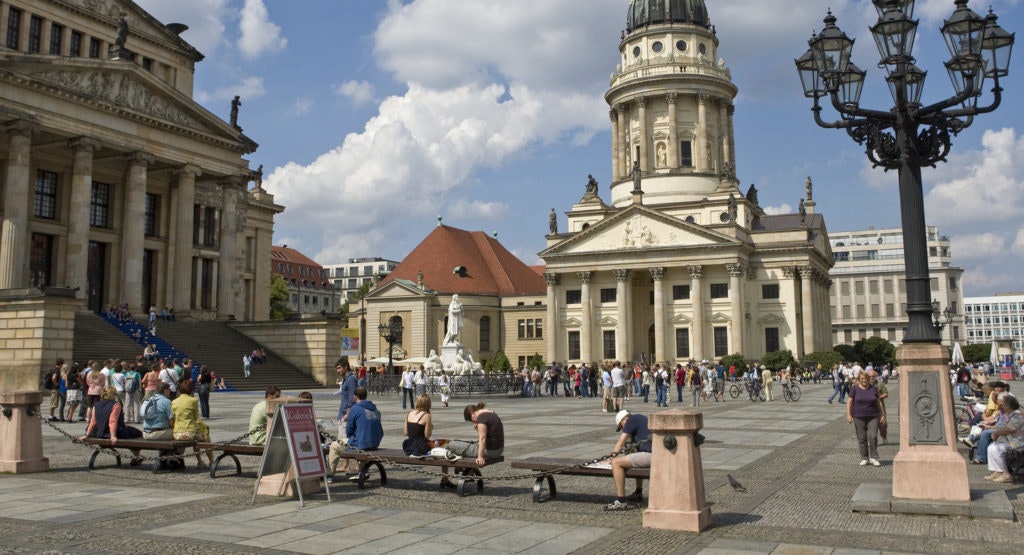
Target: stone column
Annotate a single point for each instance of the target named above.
(622, 334)
(78, 216)
(701, 155)
(642, 106)
(723, 117)
(790, 274)
(133, 236)
(620, 112)
(184, 213)
(731, 134)
(21, 435)
(14, 232)
(552, 279)
(658, 275)
(586, 318)
(613, 116)
(229, 262)
(697, 295)
(807, 306)
(677, 500)
(673, 131)
(736, 274)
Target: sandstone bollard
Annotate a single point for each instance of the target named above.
(677, 476)
(21, 433)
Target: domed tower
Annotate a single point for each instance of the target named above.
(671, 106)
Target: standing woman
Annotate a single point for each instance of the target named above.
(205, 383)
(70, 378)
(865, 410)
(150, 382)
(444, 383)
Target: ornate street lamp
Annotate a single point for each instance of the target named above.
(946, 315)
(979, 50)
(392, 333)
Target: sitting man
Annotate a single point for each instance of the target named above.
(363, 428)
(259, 418)
(158, 423)
(633, 428)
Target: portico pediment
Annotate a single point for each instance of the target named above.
(720, 318)
(636, 228)
(681, 319)
(771, 320)
(607, 321)
(573, 323)
(395, 289)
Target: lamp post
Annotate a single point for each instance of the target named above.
(946, 314)
(893, 139)
(392, 333)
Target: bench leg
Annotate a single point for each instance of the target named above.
(364, 473)
(216, 464)
(460, 488)
(538, 488)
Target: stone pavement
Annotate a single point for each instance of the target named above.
(798, 462)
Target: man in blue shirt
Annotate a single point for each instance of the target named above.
(633, 428)
(158, 420)
(347, 390)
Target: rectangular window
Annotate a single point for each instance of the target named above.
(367, 270)
(719, 290)
(952, 284)
(573, 296)
(608, 296)
(352, 283)
(846, 312)
(873, 287)
(770, 291)
(844, 288)
(683, 343)
(13, 28)
(686, 154)
(903, 285)
(35, 34)
(56, 38)
(771, 340)
(75, 48)
(574, 345)
(209, 226)
(721, 334)
(485, 333)
(891, 334)
(876, 332)
(875, 313)
(842, 256)
(887, 285)
(94, 47)
(680, 292)
(890, 310)
(40, 264)
(848, 336)
(860, 311)
(46, 195)
(147, 64)
(934, 283)
(858, 287)
(150, 220)
(99, 206)
(608, 343)
(530, 328)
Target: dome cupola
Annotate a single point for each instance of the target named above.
(653, 12)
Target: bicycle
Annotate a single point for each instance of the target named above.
(791, 392)
(735, 389)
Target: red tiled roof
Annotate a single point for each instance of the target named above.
(490, 268)
(293, 259)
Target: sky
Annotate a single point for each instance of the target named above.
(377, 117)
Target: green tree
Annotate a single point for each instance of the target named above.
(735, 359)
(536, 361)
(827, 359)
(499, 363)
(876, 350)
(978, 352)
(848, 353)
(278, 298)
(778, 360)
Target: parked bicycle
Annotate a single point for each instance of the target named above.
(791, 392)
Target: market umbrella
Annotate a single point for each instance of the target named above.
(411, 360)
(993, 356)
(378, 360)
(958, 354)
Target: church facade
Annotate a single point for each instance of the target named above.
(116, 183)
(674, 262)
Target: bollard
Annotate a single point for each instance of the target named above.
(21, 433)
(677, 476)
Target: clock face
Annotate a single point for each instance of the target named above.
(681, 45)
(657, 47)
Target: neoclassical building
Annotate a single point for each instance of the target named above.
(115, 181)
(674, 261)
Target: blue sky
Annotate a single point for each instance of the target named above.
(376, 117)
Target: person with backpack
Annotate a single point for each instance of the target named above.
(71, 390)
(661, 385)
(696, 389)
(51, 383)
(132, 394)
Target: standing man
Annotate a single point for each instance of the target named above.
(767, 380)
(618, 385)
(246, 364)
(720, 382)
(408, 387)
(634, 428)
(680, 382)
(348, 388)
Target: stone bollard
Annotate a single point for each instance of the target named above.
(677, 476)
(21, 433)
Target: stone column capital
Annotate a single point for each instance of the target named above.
(642, 102)
(696, 271)
(188, 170)
(702, 98)
(613, 115)
(789, 272)
(139, 158)
(620, 109)
(657, 273)
(807, 272)
(551, 279)
(585, 277)
(83, 144)
(672, 97)
(20, 128)
(621, 275)
(735, 270)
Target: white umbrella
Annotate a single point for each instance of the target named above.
(412, 360)
(958, 354)
(993, 355)
(378, 360)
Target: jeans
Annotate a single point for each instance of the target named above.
(679, 393)
(646, 391)
(410, 394)
(636, 386)
(836, 389)
(584, 388)
(867, 436)
(981, 451)
(696, 392)
(662, 395)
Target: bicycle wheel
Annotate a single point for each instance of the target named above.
(760, 395)
(794, 391)
(735, 390)
(786, 394)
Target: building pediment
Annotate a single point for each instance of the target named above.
(681, 319)
(607, 321)
(720, 318)
(396, 289)
(639, 228)
(771, 319)
(573, 322)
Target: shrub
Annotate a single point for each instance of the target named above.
(778, 360)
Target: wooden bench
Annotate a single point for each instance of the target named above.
(160, 445)
(465, 469)
(232, 450)
(542, 464)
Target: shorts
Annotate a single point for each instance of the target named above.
(54, 398)
(640, 459)
(72, 396)
(719, 386)
(618, 392)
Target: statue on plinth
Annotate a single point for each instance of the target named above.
(454, 330)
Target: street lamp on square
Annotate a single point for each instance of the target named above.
(392, 333)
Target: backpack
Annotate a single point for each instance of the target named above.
(48, 380)
(659, 379)
(131, 382)
(149, 409)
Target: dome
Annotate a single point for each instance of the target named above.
(652, 12)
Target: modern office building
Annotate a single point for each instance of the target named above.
(348, 277)
(868, 297)
(997, 318)
(310, 290)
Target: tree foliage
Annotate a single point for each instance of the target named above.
(499, 363)
(278, 298)
(847, 352)
(978, 352)
(827, 360)
(876, 350)
(536, 361)
(735, 359)
(777, 360)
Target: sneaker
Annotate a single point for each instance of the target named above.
(353, 478)
(874, 462)
(968, 441)
(618, 506)
(864, 462)
(1003, 479)
(993, 476)
(330, 479)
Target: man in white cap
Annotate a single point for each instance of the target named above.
(633, 428)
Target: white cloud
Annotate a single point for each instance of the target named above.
(258, 33)
(1018, 243)
(975, 247)
(776, 210)
(301, 107)
(360, 92)
(468, 210)
(205, 19)
(985, 185)
(247, 87)
(986, 278)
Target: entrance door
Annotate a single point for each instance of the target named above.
(40, 265)
(148, 283)
(96, 273)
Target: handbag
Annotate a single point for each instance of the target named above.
(444, 453)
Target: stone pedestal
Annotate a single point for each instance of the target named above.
(677, 476)
(21, 433)
(448, 353)
(928, 466)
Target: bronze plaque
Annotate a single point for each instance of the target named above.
(925, 406)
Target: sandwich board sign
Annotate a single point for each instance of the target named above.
(292, 453)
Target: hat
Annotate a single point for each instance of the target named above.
(619, 417)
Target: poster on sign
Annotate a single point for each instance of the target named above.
(305, 441)
(292, 455)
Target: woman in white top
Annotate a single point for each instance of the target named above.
(444, 383)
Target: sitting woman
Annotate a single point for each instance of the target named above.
(107, 422)
(418, 427)
(187, 425)
(150, 353)
(490, 441)
(1005, 437)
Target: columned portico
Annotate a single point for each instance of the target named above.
(586, 318)
(14, 233)
(78, 217)
(736, 295)
(134, 231)
(622, 304)
(658, 275)
(697, 295)
(552, 280)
